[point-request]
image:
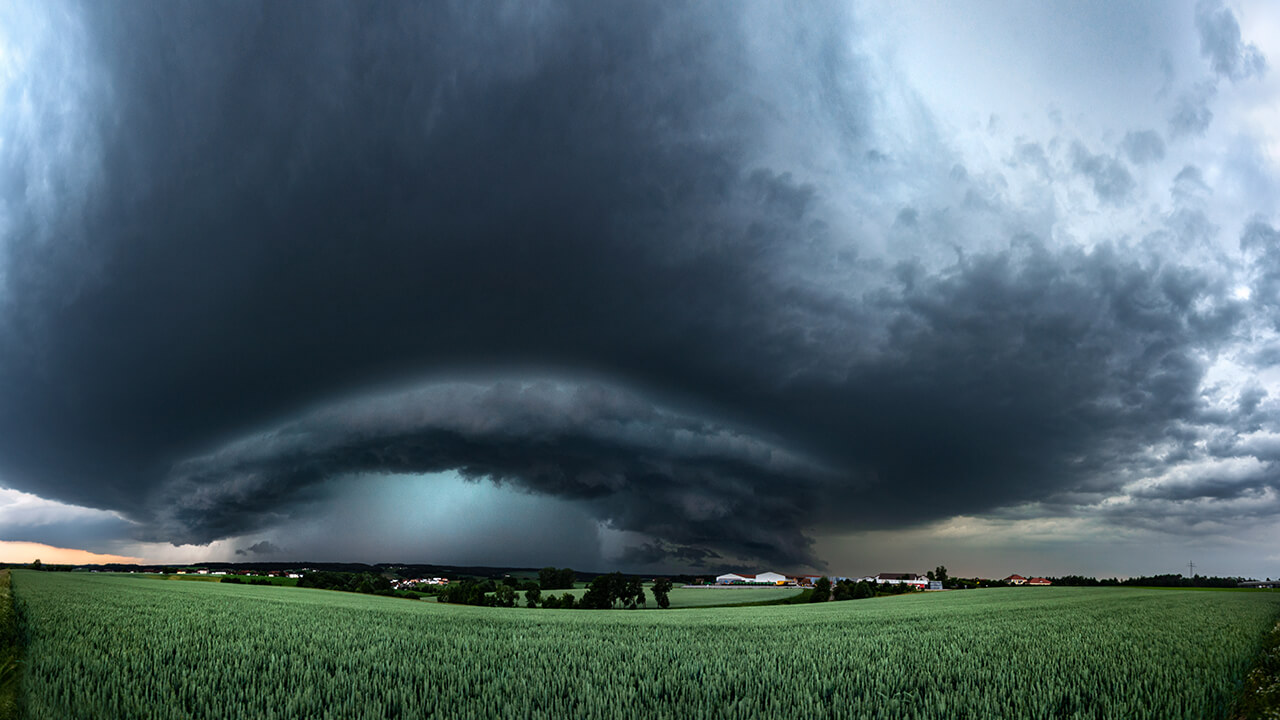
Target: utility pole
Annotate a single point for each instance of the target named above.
(1191, 567)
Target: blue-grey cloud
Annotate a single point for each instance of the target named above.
(1191, 113)
(1111, 180)
(1143, 147)
(1221, 43)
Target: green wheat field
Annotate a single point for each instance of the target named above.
(102, 646)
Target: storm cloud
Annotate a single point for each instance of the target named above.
(701, 272)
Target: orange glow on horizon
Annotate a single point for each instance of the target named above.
(25, 552)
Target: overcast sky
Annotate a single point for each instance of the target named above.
(644, 286)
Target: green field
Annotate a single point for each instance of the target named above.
(290, 582)
(113, 647)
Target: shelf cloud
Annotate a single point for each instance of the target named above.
(729, 280)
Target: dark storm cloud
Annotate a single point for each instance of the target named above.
(262, 547)
(288, 207)
(1143, 147)
(643, 468)
(664, 554)
(1111, 180)
(1221, 43)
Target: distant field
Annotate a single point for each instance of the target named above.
(208, 578)
(702, 597)
(103, 646)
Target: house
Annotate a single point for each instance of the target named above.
(1016, 580)
(1038, 581)
(734, 579)
(899, 579)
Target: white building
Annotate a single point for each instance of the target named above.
(764, 578)
(899, 579)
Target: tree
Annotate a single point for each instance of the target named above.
(35, 564)
(632, 592)
(532, 596)
(940, 574)
(550, 578)
(661, 587)
(863, 590)
(843, 590)
(821, 590)
(600, 593)
(504, 596)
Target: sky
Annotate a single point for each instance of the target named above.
(658, 287)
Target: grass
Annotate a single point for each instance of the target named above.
(10, 668)
(103, 646)
(1261, 696)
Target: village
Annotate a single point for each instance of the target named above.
(929, 581)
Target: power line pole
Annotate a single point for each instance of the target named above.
(1191, 567)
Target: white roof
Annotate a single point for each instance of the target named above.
(770, 577)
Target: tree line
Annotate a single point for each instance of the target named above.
(367, 583)
(614, 590)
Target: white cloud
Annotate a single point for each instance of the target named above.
(24, 510)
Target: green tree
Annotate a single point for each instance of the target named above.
(661, 587)
(532, 596)
(843, 590)
(632, 592)
(821, 590)
(550, 578)
(862, 590)
(940, 574)
(35, 564)
(505, 596)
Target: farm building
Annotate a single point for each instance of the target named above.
(899, 579)
(1038, 581)
(1016, 580)
(764, 578)
(1265, 584)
